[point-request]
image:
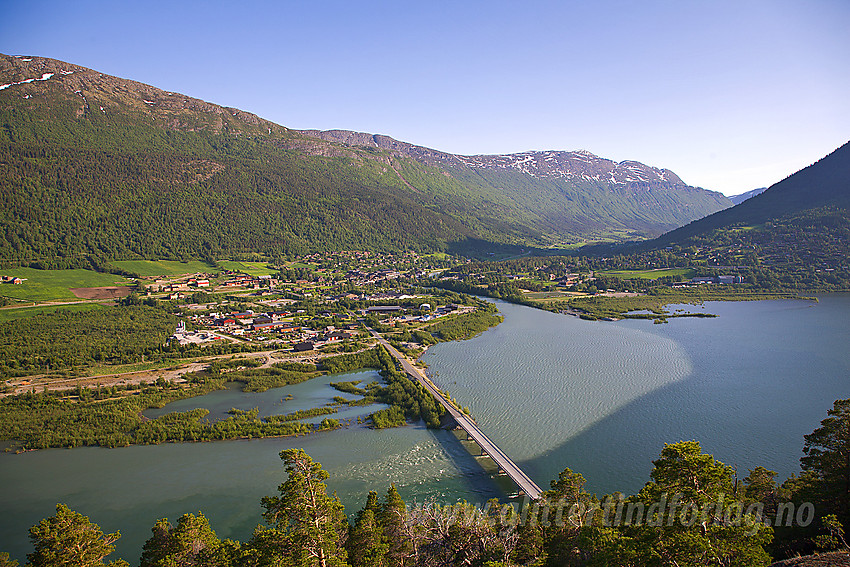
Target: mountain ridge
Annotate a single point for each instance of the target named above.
(740, 198)
(320, 190)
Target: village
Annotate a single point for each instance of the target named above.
(317, 304)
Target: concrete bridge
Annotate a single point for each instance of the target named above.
(505, 464)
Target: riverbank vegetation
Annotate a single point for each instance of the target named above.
(694, 511)
(112, 416)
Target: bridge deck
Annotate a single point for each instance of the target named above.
(504, 462)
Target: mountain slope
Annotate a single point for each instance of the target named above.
(96, 167)
(824, 184)
(573, 195)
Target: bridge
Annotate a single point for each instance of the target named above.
(505, 464)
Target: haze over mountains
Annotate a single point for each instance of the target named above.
(740, 198)
(98, 166)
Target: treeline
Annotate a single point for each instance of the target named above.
(406, 397)
(64, 341)
(408, 400)
(467, 325)
(694, 511)
(41, 421)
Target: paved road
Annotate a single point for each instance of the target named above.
(465, 422)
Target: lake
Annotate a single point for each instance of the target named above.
(554, 391)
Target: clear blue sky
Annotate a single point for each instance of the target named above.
(731, 95)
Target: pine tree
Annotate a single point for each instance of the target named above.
(392, 518)
(191, 542)
(304, 519)
(827, 460)
(366, 545)
(71, 540)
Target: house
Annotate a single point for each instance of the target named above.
(383, 309)
(337, 336)
(303, 347)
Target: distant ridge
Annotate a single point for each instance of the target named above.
(570, 191)
(738, 199)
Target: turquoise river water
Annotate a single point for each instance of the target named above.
(552, 390)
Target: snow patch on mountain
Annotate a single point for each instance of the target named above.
(44, 77)
(580, 165)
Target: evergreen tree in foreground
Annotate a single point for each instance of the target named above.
(192, 542)
(70, 539)
(827, 460)
(307, 526)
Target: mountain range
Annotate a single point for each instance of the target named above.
(99, 167)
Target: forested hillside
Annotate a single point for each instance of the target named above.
(96, 167)
(825, 184)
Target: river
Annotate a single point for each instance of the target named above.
(553, 391)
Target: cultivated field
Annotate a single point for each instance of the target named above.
(55, 285)
(686, 273)
(250, 268)
(147, 268)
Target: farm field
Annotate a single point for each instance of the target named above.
(147, 268)
(250, 268)
(686, 273)
(551, 295)
(55, 285)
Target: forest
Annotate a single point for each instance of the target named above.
(63, 341)
(694, 511)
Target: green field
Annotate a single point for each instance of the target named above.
(550, 295)
(21, 312)
(53, 285)
(146, 268)
(250, 268)
(301, 266)
(686, 273)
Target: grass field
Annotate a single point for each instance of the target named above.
(53, 285)
(21, 312)
(250, 268)
(146, 268)
(545, 296)
(686, 273)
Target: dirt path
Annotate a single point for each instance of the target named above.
(173, 373)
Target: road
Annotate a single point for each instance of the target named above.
(522, 480)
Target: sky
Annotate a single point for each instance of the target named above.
(730, 95)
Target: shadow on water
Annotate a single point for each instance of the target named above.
(479, 473)
(747, 409)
